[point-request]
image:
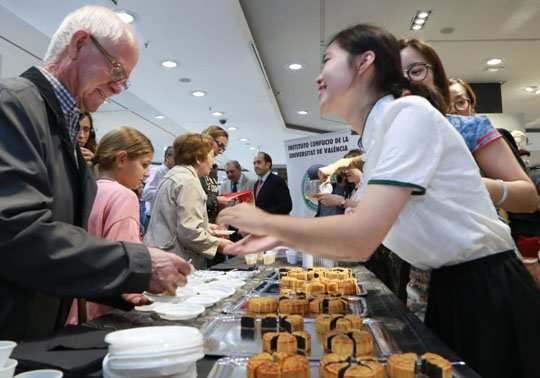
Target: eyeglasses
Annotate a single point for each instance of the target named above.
(116, 71)
(461, 104)
(85, 130)
(417, 71)
(220, 145)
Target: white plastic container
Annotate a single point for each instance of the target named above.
(251, 259)
(307, 261)
(8, 369)
(42, 373)
(6, 347)
(292, 257)
(269, 257)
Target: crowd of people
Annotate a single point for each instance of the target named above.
(427, 188)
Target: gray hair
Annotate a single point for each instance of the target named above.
(235, 162)
(99, 21)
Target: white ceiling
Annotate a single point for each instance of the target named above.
(212, 42)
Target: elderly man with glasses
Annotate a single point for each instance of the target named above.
(46, 256)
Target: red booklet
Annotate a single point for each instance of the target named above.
(239, 197)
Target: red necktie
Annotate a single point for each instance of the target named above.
(259, 185)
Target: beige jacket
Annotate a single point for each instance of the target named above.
(179, 221)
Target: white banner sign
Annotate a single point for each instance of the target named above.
(310, 152)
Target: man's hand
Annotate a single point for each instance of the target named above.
(223, 243)
(168, 271)
(136, 299)
(223, 201)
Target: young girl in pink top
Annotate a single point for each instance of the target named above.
(120, 164)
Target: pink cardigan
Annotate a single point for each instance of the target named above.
(115, 217)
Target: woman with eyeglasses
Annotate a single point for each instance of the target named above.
(462, 98)
(508, 185)
(87, 137)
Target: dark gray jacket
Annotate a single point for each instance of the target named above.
(46, 255)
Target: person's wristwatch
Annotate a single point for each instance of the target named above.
(343, 203)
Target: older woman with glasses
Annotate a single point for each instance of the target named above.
(508, 185)
(179, 221)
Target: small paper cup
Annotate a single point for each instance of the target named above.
(251, 259)
(6, 347)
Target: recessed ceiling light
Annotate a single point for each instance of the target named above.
(217, 114)
(159, 116)
(232, 128)
(125, 16)
(302, 112)
(420, 21)
(422, 14)
(169, 63)
(530, 89)
(416, 27)
(243, 139)
(252, 148)
(494, 61)
(198, 93)
(294, 66)
(493, 69)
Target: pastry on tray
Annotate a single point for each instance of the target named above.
(323, 305)
(332, 364)
(434, 365)
(247, 321)
(279, 342)
(298, 306)
(256, 361)
(291, 323)
(303, 341)
(401, 365)
(328, 322)
(262, 305)
(353, 342)
(269, 321)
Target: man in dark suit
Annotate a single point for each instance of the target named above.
(271, 192)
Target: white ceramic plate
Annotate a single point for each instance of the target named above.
(159, 335)
(228, 282)
(179, 311)
(149, 307)
(204, 300)
(217, 289)
(170, 371)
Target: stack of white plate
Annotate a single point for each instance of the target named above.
(146, 352)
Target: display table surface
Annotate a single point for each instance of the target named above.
(410, 334)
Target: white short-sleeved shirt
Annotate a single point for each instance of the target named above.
(450, 218)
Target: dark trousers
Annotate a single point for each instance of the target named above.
(488, 311)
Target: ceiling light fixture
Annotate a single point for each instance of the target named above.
(419, 21)
(217, 114)
(537, 91)
(294, 66)
(494, 61)
(530, 88)
(232, 128)
(493, 69)
(302, 112)
(125, 16)
(169, 63)
(198, 93)
(159, 116)
(243, 139)
(252, 148)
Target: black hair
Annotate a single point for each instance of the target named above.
(361, 38)
(267, 158)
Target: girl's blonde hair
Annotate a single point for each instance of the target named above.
(122, 138)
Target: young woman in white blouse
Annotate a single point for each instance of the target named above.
(424, 199)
